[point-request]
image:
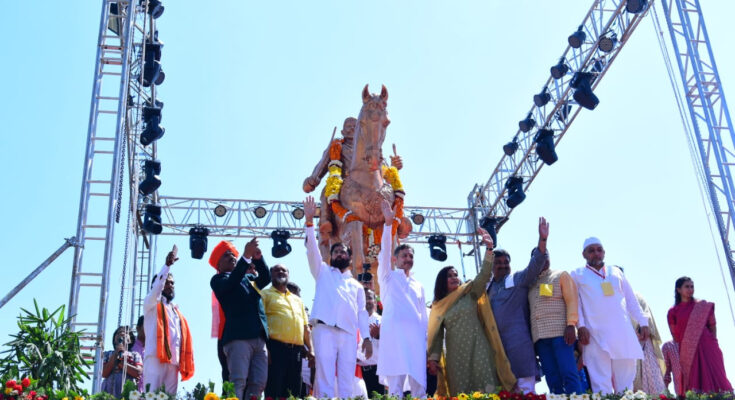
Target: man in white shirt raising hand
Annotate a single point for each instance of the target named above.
(338, 314)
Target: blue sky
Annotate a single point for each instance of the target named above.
(253, 91)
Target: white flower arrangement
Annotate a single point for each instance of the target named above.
(135, 395)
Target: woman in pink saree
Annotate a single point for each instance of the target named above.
(692, 324)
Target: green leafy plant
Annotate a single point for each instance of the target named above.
(47, 350)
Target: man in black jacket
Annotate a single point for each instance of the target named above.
(237, 288)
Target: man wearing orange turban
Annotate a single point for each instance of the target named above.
(245, 329)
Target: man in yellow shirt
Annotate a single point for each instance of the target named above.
(289, 336)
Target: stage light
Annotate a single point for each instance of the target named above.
(198, 241)
(220, 210)
(545, 146)
(607, 42)
(153, 129)
(583, 95)
(559, 70)
(259, 211)
(152, 219)
(563, 113)
(542, 98)
(152, 181)
(510, 147)
(318, 212)
(151, 62)
(577, 38)
(437, 247)
(417, 219)
(514, 185)
(298, 213)
(488, 223)
(155, 8)
(280, 244)
(526, 124)
(636, 6)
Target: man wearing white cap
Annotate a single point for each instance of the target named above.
(605, 301)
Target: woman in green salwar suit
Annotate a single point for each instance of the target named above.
(464, 346)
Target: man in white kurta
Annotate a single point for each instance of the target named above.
(606, 300)
(402, 352)
(338, 314)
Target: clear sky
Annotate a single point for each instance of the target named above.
(254, 89)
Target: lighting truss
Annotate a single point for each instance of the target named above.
(603, 18)
(179, 214)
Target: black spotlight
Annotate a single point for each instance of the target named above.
(155, 8)
(636, 6)
(510, 147)
(582, 83)
(438, 247)
(577, 38)
(559, 70)
(545, 146)
(153, 129)
(542, 98)
(280, 244)
(607, 42)
(198, 241)
(563, 113)
(488, 223)
(152, 219)
(516, 196)
(152, 181)
(526, 124)
(417, 219)
(298, 213)
(152, 62)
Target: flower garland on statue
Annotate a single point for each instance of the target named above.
(334, 185)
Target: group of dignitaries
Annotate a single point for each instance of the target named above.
(480, 335)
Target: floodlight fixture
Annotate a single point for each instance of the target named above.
(260, 211)
(155, 8)
(152, 222)
(151, 61)
(153, 129)
(220, 210)
(607, 42)
(417, 218)
(511, 147)
(280, 244)
(489, 223)
(152, 181)
(636, 6)
(583, 95)
(559, 70)
(438, 247)
(198, 241)
(526, 124)
(542, 98)
(514, 185)
(298, 213)
(577, 38)
(545, 146)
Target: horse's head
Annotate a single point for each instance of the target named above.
(370, 131)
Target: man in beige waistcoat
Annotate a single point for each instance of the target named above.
(553, 302)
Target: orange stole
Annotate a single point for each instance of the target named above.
(163, 350)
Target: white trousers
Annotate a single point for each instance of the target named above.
(527, 384)
(397, 384)
(158, 374)
(336, 357)
(608, 375)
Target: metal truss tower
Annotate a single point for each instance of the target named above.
(606, 20)
(710, 118)
(114, 126)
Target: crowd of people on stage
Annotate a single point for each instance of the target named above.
(583, 330)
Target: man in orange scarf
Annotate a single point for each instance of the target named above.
(168, 348)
